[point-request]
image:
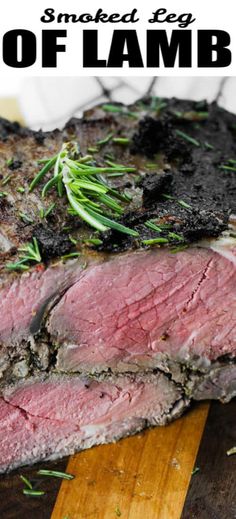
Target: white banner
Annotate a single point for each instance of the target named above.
(91, 38)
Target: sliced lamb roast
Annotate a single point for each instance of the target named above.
(108, 333)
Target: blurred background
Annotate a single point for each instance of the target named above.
(48, 102)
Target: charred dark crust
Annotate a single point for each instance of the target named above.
(52, 243)
(186, 172)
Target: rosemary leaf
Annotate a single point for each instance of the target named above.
(26, 482)
(55, 474)
(123, 141)
(49, 210)
(231, 451)
(25, 218)
(71, 255)
(187, 138)
(32, 254)
(208, 145)
(94, 241)
(117, 511)
(105, 140)
(6, 180)
(184, 204)
(42, 172)
(119, 110)
(230, 168)
(33, 493)
(154, 241)
(112, 224)
(195, 471)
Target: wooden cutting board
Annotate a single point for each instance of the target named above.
(143, 477)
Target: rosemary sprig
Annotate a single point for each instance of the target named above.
(88, 194)
(30, 254)
(55, 474)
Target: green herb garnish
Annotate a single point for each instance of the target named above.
(25, 218)
(157, 104)
(3, 193)
(9, 162)
(73, 240)
(88, 194)
(231, 451)
(117, 511)
(153, 226)
(94, 241)
(33, 493)
(187, 138)
(182, 203)
(42, 172)
(116, 109)
(178, 249)
(44, 213)
(26, 482)
(106, 139)
(195, 470)
(192, 116)
(228, 168)
(20, 189)
(154, 241)
(6, 180)
(70, 255)
(208, 146)
(175, 236)
(151, 166)
(92, 149)
(55, 474)
(30, 254)
(123, 141)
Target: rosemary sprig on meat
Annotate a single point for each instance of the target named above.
(31, 253)
(86, 189)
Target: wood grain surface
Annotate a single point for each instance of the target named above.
(146, 476)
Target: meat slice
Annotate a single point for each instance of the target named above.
(52, 417)
(135, 310)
